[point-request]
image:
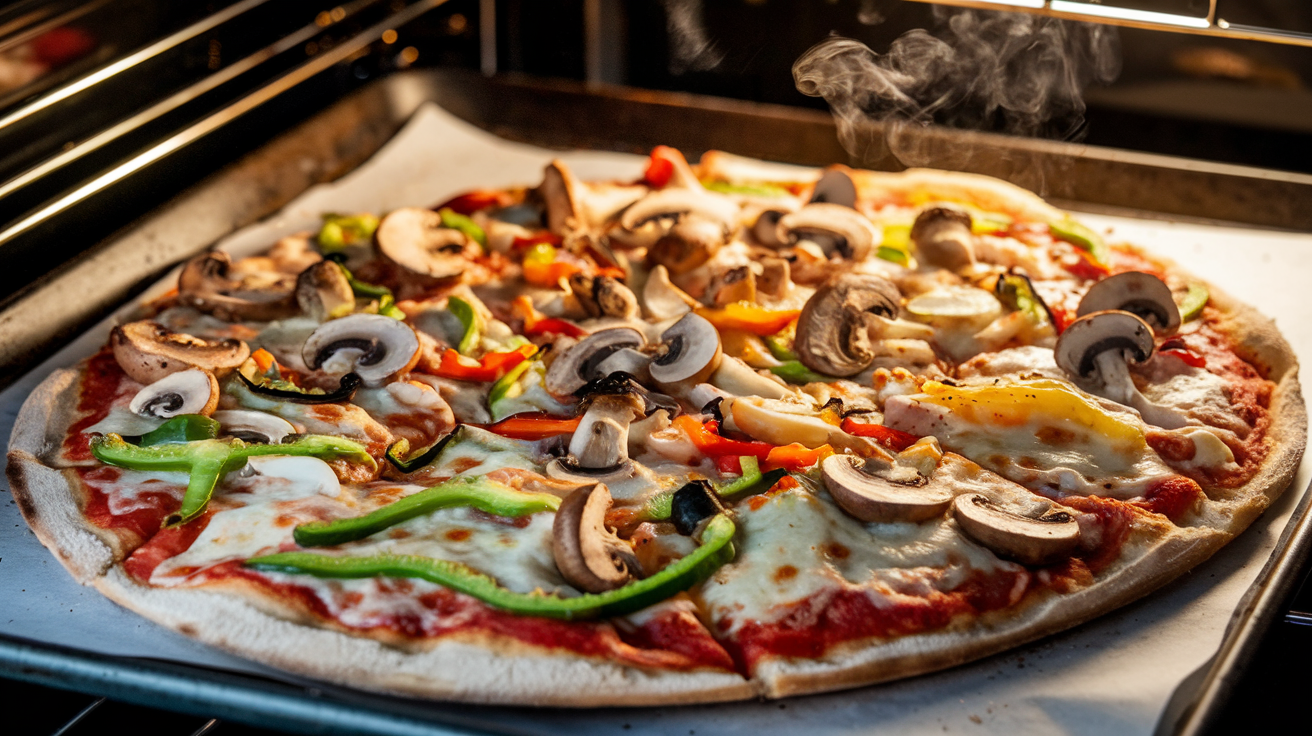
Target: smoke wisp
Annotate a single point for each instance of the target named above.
(979, 70)
(690, 48)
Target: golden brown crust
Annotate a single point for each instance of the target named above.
(253, 624)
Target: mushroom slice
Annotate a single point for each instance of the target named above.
(833, 330)
(148, 351)
(734, 285)
(766, 228)
(565, 468)
(602, 438)
(1030, 541)
(370, 345)
(193, 391)
(580, 363)
(943, 238)
(691, 351)
(603, 296)
(563, 195)
(254, 426)
(323, 291)
(898, 493)
(626, 360)
(833, 227)
(775, 278)
(588, 554)
(678, 203)
(1096, 349)
(204, 284)
(1141, 294)
(663, 299)
(688, 244)
(416, 240)
(737, 378)
(758, 420)
(835, 186)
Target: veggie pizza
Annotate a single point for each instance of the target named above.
(731, 430)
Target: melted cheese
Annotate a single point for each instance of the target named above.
(1037, 433)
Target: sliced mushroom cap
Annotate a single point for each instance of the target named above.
(766, 228)
(603, 296)
(737, 378)
(416, 240)
(626, 360)
(732, 285)
(601, 441)
(563, 194)
(897, 494)
(663, 299)
(943, 238)
(833, 329)
(691, 351)
(835, 186)
(689, 243)
(370, 345)
(193, 391)
(761, 421)
(204, 283)
(775, 278)
(580, 363)
(1030, 541)
(323, 291)
(254, 426)
(1141, 294)
(678, 203)
(567, 469)
(835, 228)
(1094, 334)
(588, 554)
(148, 351)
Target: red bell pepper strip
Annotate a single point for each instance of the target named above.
(894, 439)
(535, 323)
(706, 438)
(1086, 268)
(533, 426)
(796, 457)
(471, 202)
(660, 167)
(488, 368)
(1188, 356)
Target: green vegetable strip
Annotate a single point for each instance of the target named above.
(1081, 237)
(464, 312)
(182, 428)
(778, 347)
(485, 495)
(892, 254)
(209, 460)
(501, 389)
(752, 190)
(715, 550)
(659, 505)
(794, 372)
(457, 221)
(1194, 301)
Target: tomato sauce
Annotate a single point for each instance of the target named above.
(148, 507)
(101, 382)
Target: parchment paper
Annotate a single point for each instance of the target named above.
(1111, 676)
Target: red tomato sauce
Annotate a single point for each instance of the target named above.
(101, 382)
(149, 507)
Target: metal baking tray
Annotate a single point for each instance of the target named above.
(567, 115)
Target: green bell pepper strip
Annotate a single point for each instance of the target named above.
(182, 428)
(1081, 237)
(457, 221)
(341, 231)
(209, 460)
(1016, 292)
(716, 549)
(893, 254)
(751, 190)
(399, 455)
(484, 495)
(1191, 306)
(386, 300)
(778, 347)
(464, 312)
(503, 386)
(793, 371)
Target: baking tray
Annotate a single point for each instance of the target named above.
(564, 115)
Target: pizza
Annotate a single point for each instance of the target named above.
(731, 430)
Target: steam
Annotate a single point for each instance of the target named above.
(690, 48)
(997, 71)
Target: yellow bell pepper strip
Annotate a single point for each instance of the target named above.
(536, 323)
(182, 428)
(342, 231)
(485, 495)
(209, 460)
(1191, 306)
(533, 426)
(484, 370)
(715, 550)
(750, 317)
(457, 221)
(399, 454)
(793, 371)
(896, 244)
(1081, 237)
(471, 331)
(542, 268)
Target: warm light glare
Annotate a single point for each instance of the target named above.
(1142, 16)
(409, 54)
(1016, 3)
(389, 36)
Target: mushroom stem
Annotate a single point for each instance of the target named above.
(1121, 389)
(602, 439)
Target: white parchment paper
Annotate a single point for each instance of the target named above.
(1111, 676)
